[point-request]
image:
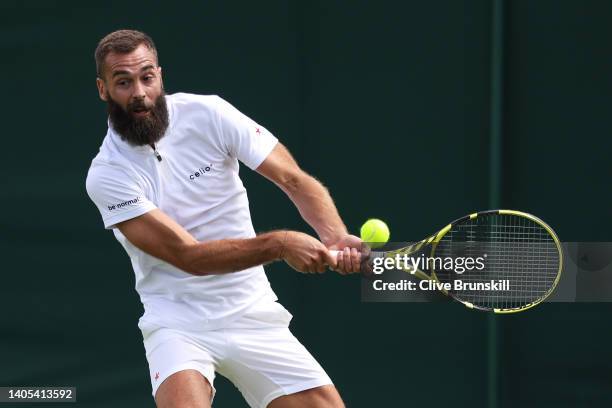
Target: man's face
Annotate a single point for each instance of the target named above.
(132, 87)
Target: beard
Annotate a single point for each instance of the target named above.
(139, 131)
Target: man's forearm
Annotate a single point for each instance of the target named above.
(316, 207)
(231, 255)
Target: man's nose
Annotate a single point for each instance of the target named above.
(139, 90)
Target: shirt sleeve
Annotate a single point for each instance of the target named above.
(244, 139)
(117, 196)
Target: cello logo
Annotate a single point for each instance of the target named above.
(200, 172)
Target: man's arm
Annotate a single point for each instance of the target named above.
(160, 236)
(315, 205)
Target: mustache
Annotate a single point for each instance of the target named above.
(138, 105)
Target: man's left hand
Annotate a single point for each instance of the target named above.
(349, 254)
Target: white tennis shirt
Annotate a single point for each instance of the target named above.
(196, 183)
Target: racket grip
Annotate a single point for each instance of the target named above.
(334, 253)
(364, 269)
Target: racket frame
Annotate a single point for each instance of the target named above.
(435, 239)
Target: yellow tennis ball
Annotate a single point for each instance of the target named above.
(375, 232)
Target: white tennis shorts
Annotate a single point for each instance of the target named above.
(264, 363)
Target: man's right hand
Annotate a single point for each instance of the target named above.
(305, 253)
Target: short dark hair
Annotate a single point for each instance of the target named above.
(121, 42)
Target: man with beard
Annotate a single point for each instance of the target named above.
(166, 182)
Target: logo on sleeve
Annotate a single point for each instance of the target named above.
(200, 172)
(124, 204)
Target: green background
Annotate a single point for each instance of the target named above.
(398, 107)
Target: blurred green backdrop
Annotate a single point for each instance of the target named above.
(390, 104)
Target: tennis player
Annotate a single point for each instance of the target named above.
(166, 182)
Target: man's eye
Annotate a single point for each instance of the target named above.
(122, 82)
(148, 78)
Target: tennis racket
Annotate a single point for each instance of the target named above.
(518, 254)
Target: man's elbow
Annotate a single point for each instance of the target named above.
(192, 269)
(188, 267)
(186, 260)
(294, 182)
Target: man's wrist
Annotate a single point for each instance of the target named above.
(281, 254)
(274, 244)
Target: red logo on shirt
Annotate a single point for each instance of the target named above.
(156, 376)
(257, 131)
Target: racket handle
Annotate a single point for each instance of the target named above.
(370, 254)
(364, 271)
(334, 253)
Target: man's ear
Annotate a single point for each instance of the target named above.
(161, 78)
(101, 89)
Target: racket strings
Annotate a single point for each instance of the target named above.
(520, 260)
